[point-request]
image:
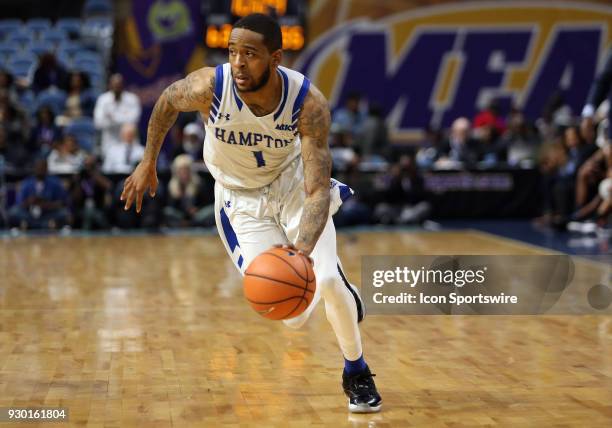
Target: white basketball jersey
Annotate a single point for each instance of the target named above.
(243, 151)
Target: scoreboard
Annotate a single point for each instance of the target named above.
(220, 15)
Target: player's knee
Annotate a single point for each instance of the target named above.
(332, 287)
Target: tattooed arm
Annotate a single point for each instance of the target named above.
(193, 93)
(313, 126)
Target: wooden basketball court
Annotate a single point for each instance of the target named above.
(152, 331)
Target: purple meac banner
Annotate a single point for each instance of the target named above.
(159, 44)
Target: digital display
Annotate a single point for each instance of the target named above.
(246, 7)
(220, 15)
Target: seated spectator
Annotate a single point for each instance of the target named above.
(342, 150)
(578, 150)
(430, 147)
(593, 180)
(373, 137)
(7, 87)
(519, 141)
(192, 142)
(559, 164)
(490, 147)
(90, 193)
(114, 109)
(404, 196)
(66, 157)
(13, 152)
(121, 157)
(45, 133)
(14, 120)
(49, 73)
(41, 202)
(356, 209)
(79, 101)
(189, 203)
(556, 116)
(489, 117)
(460, 150)
(350, 117)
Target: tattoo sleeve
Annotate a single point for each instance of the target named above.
(193, 93)
(313, 127)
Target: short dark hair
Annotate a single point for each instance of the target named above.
(264, 25)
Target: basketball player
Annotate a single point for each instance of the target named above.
(266, 146)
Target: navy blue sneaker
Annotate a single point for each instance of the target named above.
(361, 392)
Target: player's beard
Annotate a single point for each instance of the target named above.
(262, 82)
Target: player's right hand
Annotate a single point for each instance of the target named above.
(142, 179)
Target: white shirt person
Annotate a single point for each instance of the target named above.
(114, 109)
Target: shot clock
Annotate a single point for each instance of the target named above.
(219, 16)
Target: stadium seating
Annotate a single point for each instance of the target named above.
(8, 26)
(21, 36)
(22, 64)
(71, 26)
(97, 7)
(52, 97)
(37, 26)
(40, 47)
(55, 36)
(8, 50)
(84, 131)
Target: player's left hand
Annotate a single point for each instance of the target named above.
(292, 247)
(142, 179)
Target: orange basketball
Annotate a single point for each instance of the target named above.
(279, 284)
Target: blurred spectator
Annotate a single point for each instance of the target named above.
(49, 73)
(404, 194)
(430, 147)
(122, 156)
(66, 157)
(491, 149)
(356, 209)
(519, 141)
(578, 150)
(114, 109)
(45, 133)
(600, 90)
(350, 117)
(490, 117)
(189, 204)
(557, 115)
(192, 142)
(373, 138)
(596, 167)
(7, 88)
(90, 193)
(14, 120)
(560, 163)
(80, 100)
(341, 149)
(150, 217)
(461, 150)
(41, 201)
(14, 153)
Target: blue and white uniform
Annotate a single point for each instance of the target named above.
(259, 192)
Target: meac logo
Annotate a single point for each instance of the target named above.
(428, 66)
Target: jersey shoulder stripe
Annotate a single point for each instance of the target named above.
(218, 94)
(285, 91)
(299, 102)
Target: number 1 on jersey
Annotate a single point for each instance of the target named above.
(259, 158)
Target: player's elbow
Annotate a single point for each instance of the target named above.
(319, 194)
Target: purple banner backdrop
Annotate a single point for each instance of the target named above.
(160, 44)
